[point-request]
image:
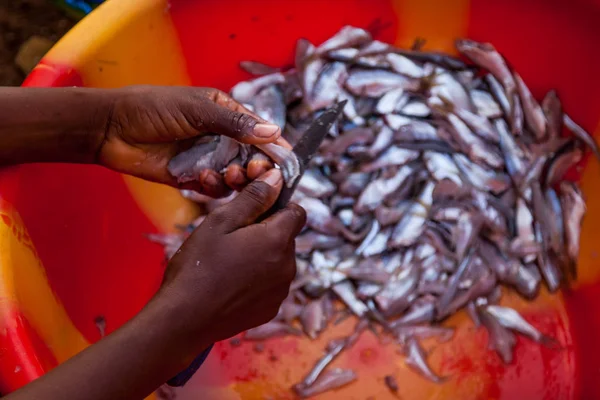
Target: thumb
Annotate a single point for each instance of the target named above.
(225, 116)
(256, 199)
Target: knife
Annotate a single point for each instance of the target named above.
(304, 150)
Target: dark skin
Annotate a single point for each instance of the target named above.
(209, 292)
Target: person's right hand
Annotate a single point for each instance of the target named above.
(233, 272)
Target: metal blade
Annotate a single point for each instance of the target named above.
(307, 146)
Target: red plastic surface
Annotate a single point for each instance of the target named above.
(89, 232)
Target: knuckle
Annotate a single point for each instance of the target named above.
(240, 121)
(256, 193)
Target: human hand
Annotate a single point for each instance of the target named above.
(233, 272)
(148, 125)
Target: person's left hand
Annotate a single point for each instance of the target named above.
(148, 125)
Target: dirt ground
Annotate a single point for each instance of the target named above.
(20, 20)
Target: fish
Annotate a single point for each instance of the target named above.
(499, 338)
(511, 319)
(514, 156)
(441, 167)
(564, 159)
(480, 177)
(314, 184)
(347, 36)
(309, 241)
(392, 100)
(552, 109)
(319, 216)
(485, 104)
(329, 380)
(269, 104)
(443, 334)
(285, 158)
(346, 293)
(582, 135)
(328, 87)
(421, 311)
(573, 205)
(244, 92)
(383, 140)
(312, 318)
(375, 83)
(258, 68)
(375, 192)
(486, 56)
(534, 115)
(472, 145)
(443, 186)
(392, 157)
(269, 330)
(417, 360)
(412, 223)
(359, 135)
(390, 215)
(446, 86)
(404, 65)
(391, 383)
(187, 165)
(394, 298)
(354, 184)
(100, 323)
(415, 108)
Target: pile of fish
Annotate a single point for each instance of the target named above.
(442, 183)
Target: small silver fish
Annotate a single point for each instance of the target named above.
(391, 101)
(375, 83)
(346, 293)
(412, 223)
(417, 360)
(511, 319)
(394, 156)
(500, 338)
(257, 68)
(404, 65)
(574, 208)
(329, 380)
(486, 56)
(314, 184)
(485, 104)
(269, 330)
(348, 36)
(482, 178)
(534, 116)
(312, 318)
(441, 167)
(376, 191)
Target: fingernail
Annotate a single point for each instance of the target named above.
(272, 177)
(265, 130)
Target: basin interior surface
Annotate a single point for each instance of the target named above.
(72, 243)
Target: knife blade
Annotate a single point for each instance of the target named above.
(304, 150)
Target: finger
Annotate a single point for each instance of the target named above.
(235, 177)
(256, 198)
(223, 115)
(287, 223)
(212, 183)
(283, 143)
(258, 167)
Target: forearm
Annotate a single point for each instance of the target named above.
(128, 364)
(52, 125)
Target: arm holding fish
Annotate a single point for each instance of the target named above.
(211, 291)
(134, 130)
